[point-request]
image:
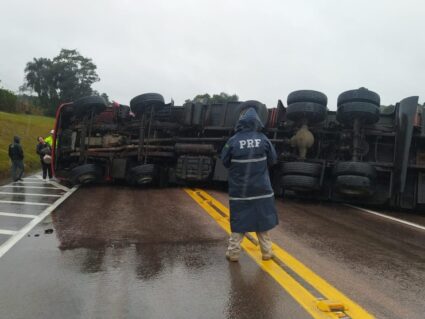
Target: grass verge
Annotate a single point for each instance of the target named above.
(27, 127)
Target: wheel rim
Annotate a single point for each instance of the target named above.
(143, 179)
(353, 192)
(87, 178)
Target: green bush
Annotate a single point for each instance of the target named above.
(28, 104)
(7, 101)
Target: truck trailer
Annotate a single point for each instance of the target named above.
(361, 153)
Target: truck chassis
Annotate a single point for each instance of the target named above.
(361, 153)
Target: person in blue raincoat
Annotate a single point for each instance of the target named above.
(247, 155)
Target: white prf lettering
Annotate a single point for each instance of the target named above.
(257, 142)
(250, 143)
(242, 143)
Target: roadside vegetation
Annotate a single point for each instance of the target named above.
(29, 112)
(27, 127)
(214, 98)
(19, 103)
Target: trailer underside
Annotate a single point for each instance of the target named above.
(361, 153)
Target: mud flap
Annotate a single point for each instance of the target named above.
(220, 172)
(405, 117)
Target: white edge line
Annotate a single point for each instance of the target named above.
(42, 187)
(402, 221)
(17, 215)
(7, 232)
(59, 186)
(23, 203)
(37, 183)
(21, 233)
(29, 194)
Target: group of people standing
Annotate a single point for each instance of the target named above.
(43, 149)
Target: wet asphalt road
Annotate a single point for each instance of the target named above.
(118, 252)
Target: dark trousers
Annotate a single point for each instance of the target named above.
(47, 169)
(17, 169)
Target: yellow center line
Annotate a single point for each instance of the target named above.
(305, 298)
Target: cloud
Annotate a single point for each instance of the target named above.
(258, 50)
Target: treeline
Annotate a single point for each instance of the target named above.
(50, 82)
(64, 78)
(22, 103)
(61, 79)
(214, 98)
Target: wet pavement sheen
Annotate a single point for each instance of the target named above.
(3, 238)
(118, 252)
(13, 223)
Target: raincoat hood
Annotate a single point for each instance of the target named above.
(16, 139)
(249, 121)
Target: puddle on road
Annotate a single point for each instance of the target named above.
(167, 279)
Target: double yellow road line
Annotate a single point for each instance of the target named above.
(314, 294)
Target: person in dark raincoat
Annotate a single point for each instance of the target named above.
(247, 155)
(16, 155)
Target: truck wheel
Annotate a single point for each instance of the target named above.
(353, 186)
(307, 96)
(355, 168)
(86, 104)
(367, 112)
(141, 102)
(259, 107)
(302, 168)
(142, 174)
(359, 95)
(86, 174)
(300, 183)
(313, 112)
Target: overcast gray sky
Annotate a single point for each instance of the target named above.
(257, 49)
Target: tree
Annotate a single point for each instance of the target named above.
(105, 97)
(214, 99)
(64, 78)
(39, 78)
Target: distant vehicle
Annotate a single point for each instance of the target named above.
(361, 153)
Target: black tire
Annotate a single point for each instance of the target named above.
(142, 174)
(259, 107)
(359, 95)
(313, 112)
(141, 102)
(355, 168)
(87, 104)
(300, 183)
(302, 168)
(368, 113)
(307, 96)
(86, 174)
(354, 186)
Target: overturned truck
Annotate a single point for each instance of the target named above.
(361, 153)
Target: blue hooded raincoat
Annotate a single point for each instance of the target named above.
(247, 155)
